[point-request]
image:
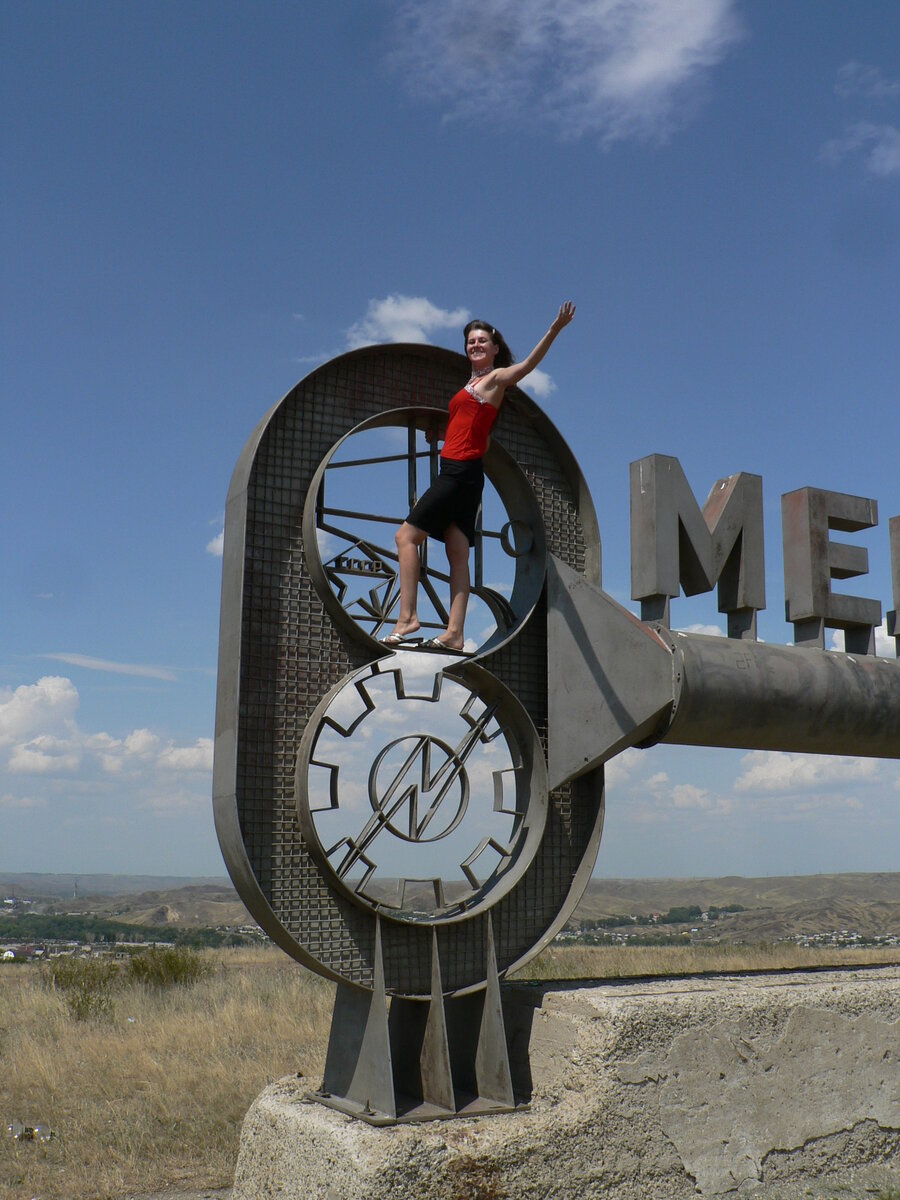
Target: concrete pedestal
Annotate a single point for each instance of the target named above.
(659, 1090)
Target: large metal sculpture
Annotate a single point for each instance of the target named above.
(414, 825)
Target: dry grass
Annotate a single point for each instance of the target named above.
(153, 1094)
(617, 962)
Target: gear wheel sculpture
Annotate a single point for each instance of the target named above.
(385, 815)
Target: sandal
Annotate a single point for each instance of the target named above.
(398, 639)
(436, 644)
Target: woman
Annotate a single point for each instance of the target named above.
(449, 508)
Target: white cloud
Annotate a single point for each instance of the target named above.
(399, 318)
(140, 670)
(879, 145)
(617, 68)
(539, 383)
(45, 755)
(622, 766)
(198, 757)
(772, 771)
(48, 706)
(708, 630)
(141, 743)
(216, 547)
(863, 79)
(885, 646)
(117, 755)
(42, 738)
(686, 795)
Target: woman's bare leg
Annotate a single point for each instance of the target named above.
(408, 539)
(457, 545)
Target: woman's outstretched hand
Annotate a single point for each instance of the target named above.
(564, 316)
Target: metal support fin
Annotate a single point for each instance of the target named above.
(358, 1067)
(492, 1072)
(423, 1060)
(423, 1080)
(437, 1076)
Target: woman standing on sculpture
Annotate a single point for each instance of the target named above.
(449, 508)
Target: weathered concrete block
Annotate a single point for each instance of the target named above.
(661, 1090)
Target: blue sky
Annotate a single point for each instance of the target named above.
(201, 202)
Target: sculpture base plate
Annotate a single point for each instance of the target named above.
(728, 1085)
(411, 1111)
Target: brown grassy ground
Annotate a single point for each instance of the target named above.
(153, 1095)
(617, 962)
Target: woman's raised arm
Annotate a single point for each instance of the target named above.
(505, 377)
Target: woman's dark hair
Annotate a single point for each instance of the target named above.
(504, 354)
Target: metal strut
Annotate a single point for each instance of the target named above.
(399, 1059)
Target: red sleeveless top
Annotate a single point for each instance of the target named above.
(470, 422)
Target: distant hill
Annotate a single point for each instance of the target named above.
(37, 884)
(209, 905)
(773, 907)
(776, 906)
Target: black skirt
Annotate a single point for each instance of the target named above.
(453, 499)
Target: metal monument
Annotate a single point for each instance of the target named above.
(414, 825)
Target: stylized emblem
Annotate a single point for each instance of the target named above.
(427, 825)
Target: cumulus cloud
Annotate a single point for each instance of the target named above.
(686, 795)
(399, 318)
(885, 646)
(772, 771)
(45, 707)
(616, 68)
(622, 766)
(40, 736)
(198, 757)
(708, 630)
(863, 79)
(45, 755)
(216, 547)
(142, 671)
(879, 146)
(539, 383)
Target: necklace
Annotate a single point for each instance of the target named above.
(483, 371)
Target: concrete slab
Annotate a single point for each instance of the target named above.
(663, 1089)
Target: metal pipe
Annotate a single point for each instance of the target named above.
(754, 695)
